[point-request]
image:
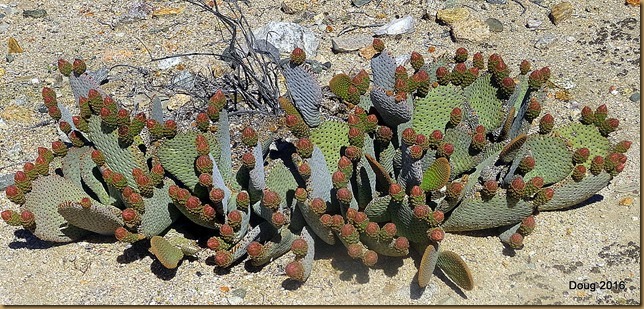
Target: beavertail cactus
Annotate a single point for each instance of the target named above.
(447, 147)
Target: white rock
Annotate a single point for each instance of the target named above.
(168, 63)
(287, 36)
(397, 26)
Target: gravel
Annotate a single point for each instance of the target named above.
(599, 242)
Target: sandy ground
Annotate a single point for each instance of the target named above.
(595, 56)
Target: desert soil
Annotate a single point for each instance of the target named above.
(595, 59)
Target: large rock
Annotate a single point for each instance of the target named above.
(287, 36)
(470, 30)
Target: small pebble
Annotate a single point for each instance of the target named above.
(497, 1)
(627, 201)
(545, 41)
(494, 24)
(560, 12)
(533, 24)
(6, 180)
(450, 16)
(360, 3)
(37, 13)
(635, 97)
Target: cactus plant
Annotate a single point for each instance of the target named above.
(456, 154)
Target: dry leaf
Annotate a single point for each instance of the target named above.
(14, 47)
(633, 2)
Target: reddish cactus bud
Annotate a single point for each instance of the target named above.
(204, 164)
(370, 123)
(59, 148)
(436, 234)
(125, 137)
(129, 215)
(416, 152)
(524, 67)
(515, 241)
(216, 195)
(384, 135)
(182, 196)
(155, 129)
(299, 247)
(22, 181)
(193, 203)
(54, 113)
(422, 141)
(533, 111)
(409, 136)
(396, 192)
(339, 179)
(439, 216)
(10, 217)
(580, 155)
(223, 258)
(372, 229)
(478, 142)
(301, 195)
(587, 115)
(255, 250)
(578, 173)
(304, 170)
(305, 147)
(108, 117)
(243, 200)
(49, 97)
(295, 270)
(326, 220)
(279, 219)
(535, 80)
(15, 195)
(298, 56)
(42, 165)
(443, 76)
(227, 232)
(455, 117)
(489, 188)
(64, 67)
(86, 202)
(507, 87)
(527, 225)
(345, 165)
(79, 67)
(318, 206)
(416, 196)
(454, 190)
(249, 137)
(608, 126)
(388, 231)
(337, 222)
(248, 160)
(478, 61)
(349, 234)
(208, 213)
(344, 196)
(517, 188)
(218, 99)
(205, 180)
(271, 200)
(400, 74)
(461, 55)
(597, 165)
(235, 218)
(30, 169)
(353, 153)
(370, 258)
(622, 147)
(27, 219)
(401, 244)
(545, 72)
(378, 45)
(416, 60)
(546, 124)
(435, 138)
(526, 164)
(444, 150)
(422, 212)
(202, 146)
(202, 122)
(127, 191)
(215, 243)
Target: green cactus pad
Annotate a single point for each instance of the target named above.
(378, 209)
(307, 261)
(569, 193)
(305, 91)
(382, 248)
(43, 201)
(91, 176)
(71, 165)
(433, 111)
(280, 179)
(436, 176)
(224, 162)
(320, 181)
(460, 160)
(98, 218)
(168, 254)
(552, 156)
(477, 214)
(313, 221)
(481, 96)
(393, 113)
(409, 226)
(455, 268)
(383, 66)
(276, 247)
(427, 265)
(588, 136)
(160, 212)
(121, 160)
(330, 136)
(177, 155)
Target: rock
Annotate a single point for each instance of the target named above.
(287, 36)
(397, 26)
(359, 3)
(446, 301)
(6, 180)
(235, 300)
(184, 80)
(545, 41)
(533, 24)
(294, 6)
(350, 43)
(14, 47)
(470, 30)
(37, 13)
(497, 1)
(168, 63)
(3, 124)
(635, 97)
(450, 16)
(176, 101)
(494, 24)
(560, 12)
(367, 52)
